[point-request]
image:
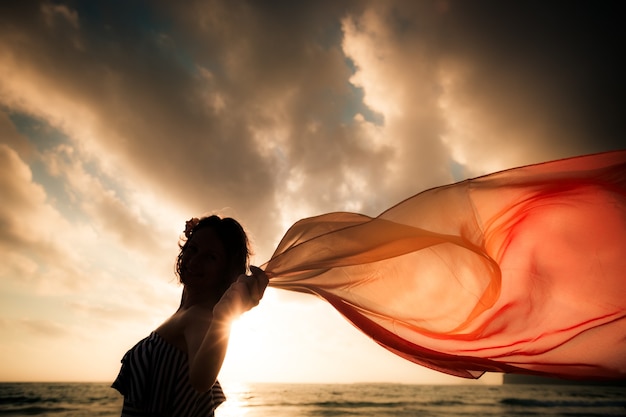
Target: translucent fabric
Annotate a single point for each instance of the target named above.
(521, 271)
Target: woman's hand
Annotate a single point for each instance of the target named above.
(242, 295)
(256, 283)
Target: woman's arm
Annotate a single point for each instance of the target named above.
(207, 350)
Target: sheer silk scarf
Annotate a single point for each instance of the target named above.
(520, 271)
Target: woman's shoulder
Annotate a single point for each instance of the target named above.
(195, 319)
(172, 331)
(192, 319)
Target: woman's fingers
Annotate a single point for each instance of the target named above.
(252, 287)
(260, 279)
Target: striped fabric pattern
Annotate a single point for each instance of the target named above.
(154, 380)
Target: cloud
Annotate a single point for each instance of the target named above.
(533, 95)
(286, 84)
(12, 138)
(398, 73)
(29, 225)
(219, 105)
(472, 82)
(207, 116)
(176, 111)
(42, 248)
(35, 327)
(102, 205)
(53, 13)
(140, 114)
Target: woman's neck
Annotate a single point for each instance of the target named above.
(191, 298)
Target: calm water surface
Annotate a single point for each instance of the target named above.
(289, 400)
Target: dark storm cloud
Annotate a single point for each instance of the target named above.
(554, 63)
(541, 80)
(250, 105)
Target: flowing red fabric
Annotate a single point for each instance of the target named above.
(521, 271)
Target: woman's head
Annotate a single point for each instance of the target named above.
(233, 240)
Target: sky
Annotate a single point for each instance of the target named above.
(121, 120)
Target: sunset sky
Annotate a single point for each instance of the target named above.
(121, 120)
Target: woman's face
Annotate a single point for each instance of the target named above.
(204, 260)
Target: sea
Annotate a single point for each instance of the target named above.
(329, 400)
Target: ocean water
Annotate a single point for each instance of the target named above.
(293, 400)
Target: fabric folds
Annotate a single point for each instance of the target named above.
(520, 271)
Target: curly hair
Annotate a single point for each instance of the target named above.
(233, 237)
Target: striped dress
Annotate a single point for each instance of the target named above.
(154, 380)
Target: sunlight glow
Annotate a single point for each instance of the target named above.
(240, 399)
